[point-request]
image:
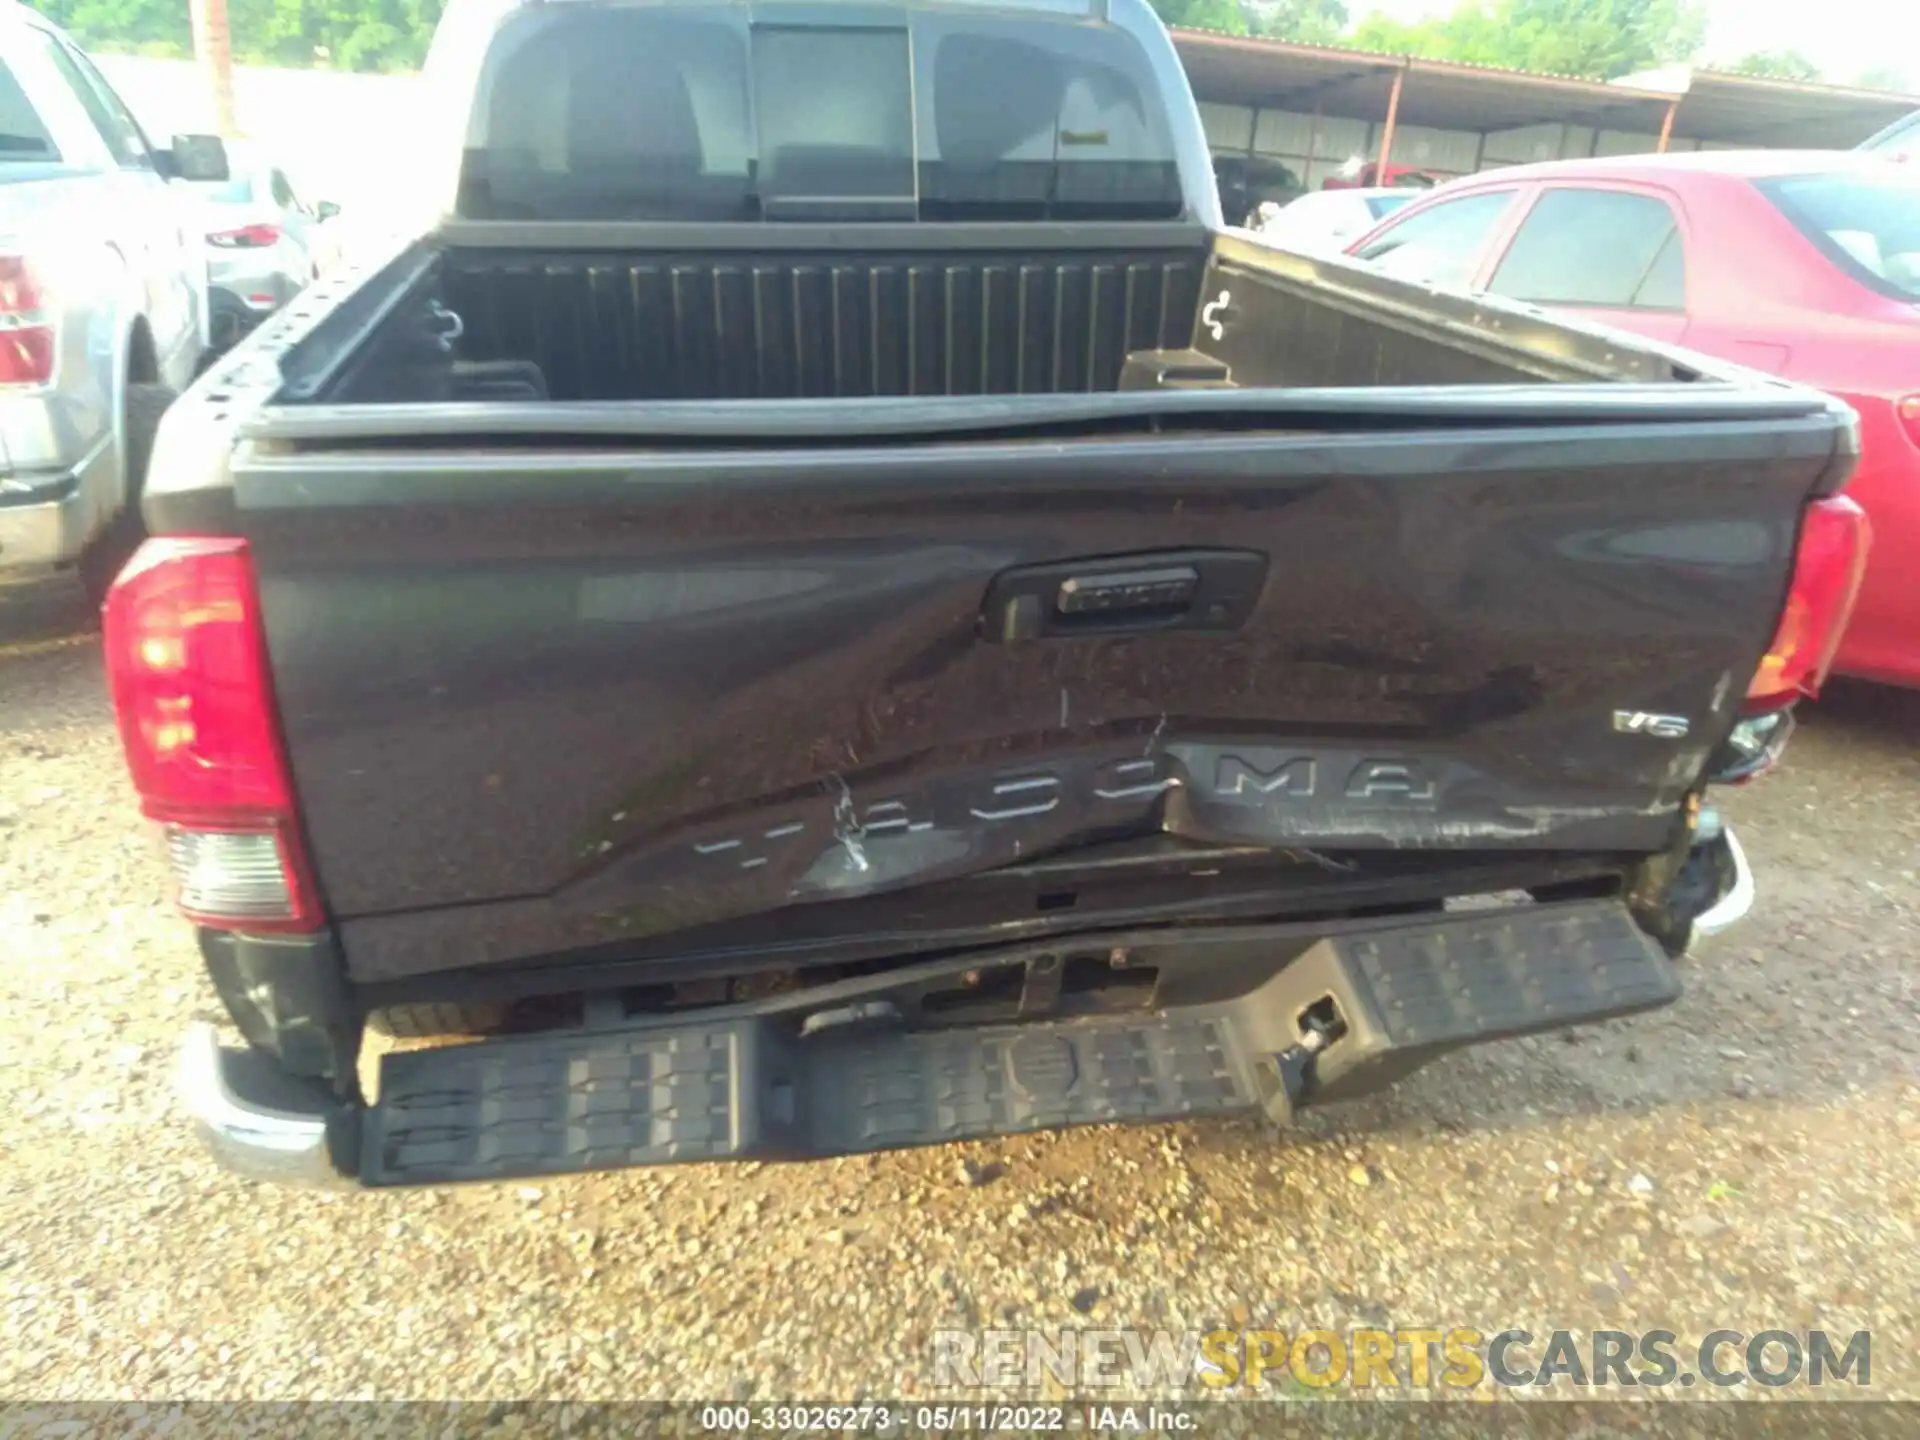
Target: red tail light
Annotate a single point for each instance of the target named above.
(1907, 411)
(247, 237)
(187, 664)
(1827, 570)
(27, 337)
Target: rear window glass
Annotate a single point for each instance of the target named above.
(672, 114)
(22, 136)
(234, 190)
(834, 114)
(1440, 246)
(1607, 248)
(1902, 135)
(1868, 225)
(1382, 206)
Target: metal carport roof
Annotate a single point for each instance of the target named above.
(1705, 105)
(1782, 114)
(1358, 84)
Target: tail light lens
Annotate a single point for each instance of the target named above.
(1907, 410)
(1827, 569)
(186, 662)
(27, 334)
(247, 237)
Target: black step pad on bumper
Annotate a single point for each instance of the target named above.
(593, 1099)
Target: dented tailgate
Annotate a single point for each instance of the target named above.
(616, 692)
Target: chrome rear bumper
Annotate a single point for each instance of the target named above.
(1737, 898)
(50, 531)
(48, 516)
(257, 1120)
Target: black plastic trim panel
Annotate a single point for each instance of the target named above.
(761, 1086)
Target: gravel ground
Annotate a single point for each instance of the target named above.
(1744, 1160)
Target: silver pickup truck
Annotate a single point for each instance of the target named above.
(102, 289)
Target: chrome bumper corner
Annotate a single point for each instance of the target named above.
(43, 532)
(256, 1121)
(47, 515)
(1737, 899)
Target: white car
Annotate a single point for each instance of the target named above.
(1325, 222)
(264, 241)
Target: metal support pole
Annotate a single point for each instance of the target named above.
(1386, 135)
(1666, 126)
(213, 48)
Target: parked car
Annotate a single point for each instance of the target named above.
(1247, 183)
(1806, 265)
(997, 652)
(1899, 141)
(101, 296)
(1327, 221)
(264, 242)
(1367, 175)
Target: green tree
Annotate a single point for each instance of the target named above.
(1886, 77)
(350, 34)
(1306, 22)
(1605, 39)
(1474, 34)
(1597, 39)
(130, 27)
(1229, 17)
(1776, 65)
(1312, 22)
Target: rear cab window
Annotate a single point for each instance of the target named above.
(703, 114)
(23, 134)
(1441, 245)
(1899, 141)
(236, 189)
(1866, 224)
(1608, 249)
(1381, 206)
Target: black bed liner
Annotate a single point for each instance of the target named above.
(779, 325)
(658, 315)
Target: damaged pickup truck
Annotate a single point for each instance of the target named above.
(824, 604)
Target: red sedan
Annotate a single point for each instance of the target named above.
(1803, 264)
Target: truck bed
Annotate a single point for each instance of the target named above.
(567, 679)
(818, 607)
(893, 311)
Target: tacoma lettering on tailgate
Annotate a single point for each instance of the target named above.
(1102, 792)
(850, 838)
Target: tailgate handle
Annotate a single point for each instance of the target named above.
(1169, 590)
(1139, 593)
